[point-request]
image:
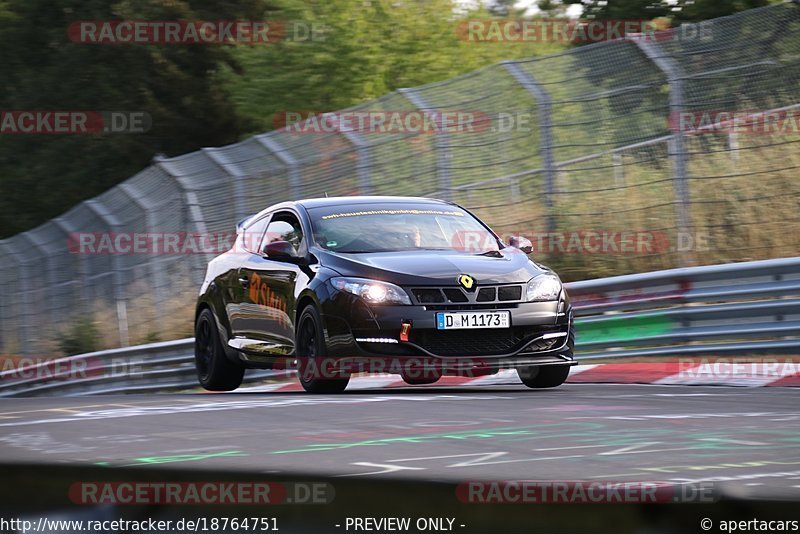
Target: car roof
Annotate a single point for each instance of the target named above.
(343, 201)
(339, 201)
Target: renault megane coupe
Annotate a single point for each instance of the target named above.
(413, 286)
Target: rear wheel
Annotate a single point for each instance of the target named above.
(214, 370)
(315, 372)
(543, 376)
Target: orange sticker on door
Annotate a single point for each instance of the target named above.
(263, 295)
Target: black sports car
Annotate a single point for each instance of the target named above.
(413, 286)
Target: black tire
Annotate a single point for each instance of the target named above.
(214, 370)
(313, 369)
(548, 376)
(543, 376)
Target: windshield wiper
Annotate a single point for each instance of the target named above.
(490, 253)
(364, 251)
(408, 249)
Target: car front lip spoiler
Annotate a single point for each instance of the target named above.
(519, 352)
(466, 366)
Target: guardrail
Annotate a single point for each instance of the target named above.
(732, 309)
(166, 366)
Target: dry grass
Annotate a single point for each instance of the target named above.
(172, 318)
(148, 319)
(744, 206)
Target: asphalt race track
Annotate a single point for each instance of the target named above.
(745, 440)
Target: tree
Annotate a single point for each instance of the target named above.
(364, 51)
(43, 175)
(202, 96)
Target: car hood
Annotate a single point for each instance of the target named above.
(434, 267)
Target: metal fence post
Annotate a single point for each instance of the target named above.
(194, 216)
(733, 146)
(363, 163)
(677, 142)
(4, 319)
(619, 169)
(155, 269)
(272, 145)
(544, 105)
(49, 268)
(239, 200)
(69, 229)
(442, 143)
(104, 214)
(26, 273)
(17, 297)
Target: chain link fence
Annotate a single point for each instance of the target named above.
(571, 150)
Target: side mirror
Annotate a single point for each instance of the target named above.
(281, 251)
(522, 243)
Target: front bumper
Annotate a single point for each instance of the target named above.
(540, 333)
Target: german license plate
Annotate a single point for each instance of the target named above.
(463, 320)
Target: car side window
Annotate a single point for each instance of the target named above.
(253, 234)
(285, 227)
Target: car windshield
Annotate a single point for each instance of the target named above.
(357, 228)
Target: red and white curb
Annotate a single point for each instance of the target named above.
(721, 373)
(709, 373)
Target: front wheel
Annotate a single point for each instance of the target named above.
(543, 376)
(214, 370)
(316, 374)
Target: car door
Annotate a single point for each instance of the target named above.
(268, 327)
(239, 305)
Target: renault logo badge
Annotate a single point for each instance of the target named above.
(466, 281)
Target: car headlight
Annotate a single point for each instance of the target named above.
(544, 287)
(372, 291)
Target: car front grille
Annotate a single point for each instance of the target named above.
(484, 342)
(457, 295)
(428, 295)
